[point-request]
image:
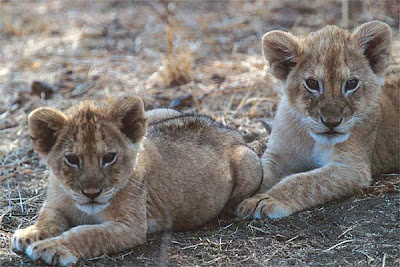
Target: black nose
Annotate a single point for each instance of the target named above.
(331, 123)
(92, 193)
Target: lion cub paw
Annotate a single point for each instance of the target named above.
(22, 238)
(262, 206)
(52, 252)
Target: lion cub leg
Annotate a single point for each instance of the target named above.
(247, 173)
(50, 223)
(88, 241)
(123, 226)
(308, 189)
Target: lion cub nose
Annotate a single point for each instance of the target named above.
(331, 123)
(92, 193)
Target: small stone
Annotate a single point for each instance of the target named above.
(267, 123)
(250, 137)
(217, 78)
(42, 89)
(184, 101)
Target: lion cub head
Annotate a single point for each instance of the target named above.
(92, 149)
(332, 78)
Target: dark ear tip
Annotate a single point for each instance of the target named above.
(374, 26)
(280, 40)
(269, 34)
(129, 100)
(35, 113)
(276, 35)
(44, 111)
(377, 23)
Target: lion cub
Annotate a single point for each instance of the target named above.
(338, 123)
(116, 176)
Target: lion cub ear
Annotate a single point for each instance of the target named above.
(282, 50)
(44, 124)
(375, 41)
(129, 115)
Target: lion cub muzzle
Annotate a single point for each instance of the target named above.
(92, 193)
(331, 123)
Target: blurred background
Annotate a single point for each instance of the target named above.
(195, 56)
(200, 56)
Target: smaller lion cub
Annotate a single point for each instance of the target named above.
(117, 173)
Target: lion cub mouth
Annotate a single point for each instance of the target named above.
(331, 133)
(330, 137)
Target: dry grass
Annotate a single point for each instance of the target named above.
(194, 56)
(176, 66)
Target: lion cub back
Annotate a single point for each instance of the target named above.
(198, 168)
(197, 129)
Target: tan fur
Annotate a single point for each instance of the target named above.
(182, 173)
(302, 166)
(161, 114)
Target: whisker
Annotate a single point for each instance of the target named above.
(131, 194)
(136, 181)
(107, 196)
(135, 185)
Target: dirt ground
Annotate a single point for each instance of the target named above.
(195, 56)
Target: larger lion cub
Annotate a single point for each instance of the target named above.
(116, 176)
(338, 122)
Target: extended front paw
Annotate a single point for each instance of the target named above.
(262, 206)
(246, 208)
(22, 238)
(52, 252)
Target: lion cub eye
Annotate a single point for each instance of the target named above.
(72, 160)
(312, 85)
(108, 159)
(351, 85)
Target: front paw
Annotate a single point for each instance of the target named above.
(52, 252)
(22, 238)
(262, 206)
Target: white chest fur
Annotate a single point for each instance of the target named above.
(322, 154)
